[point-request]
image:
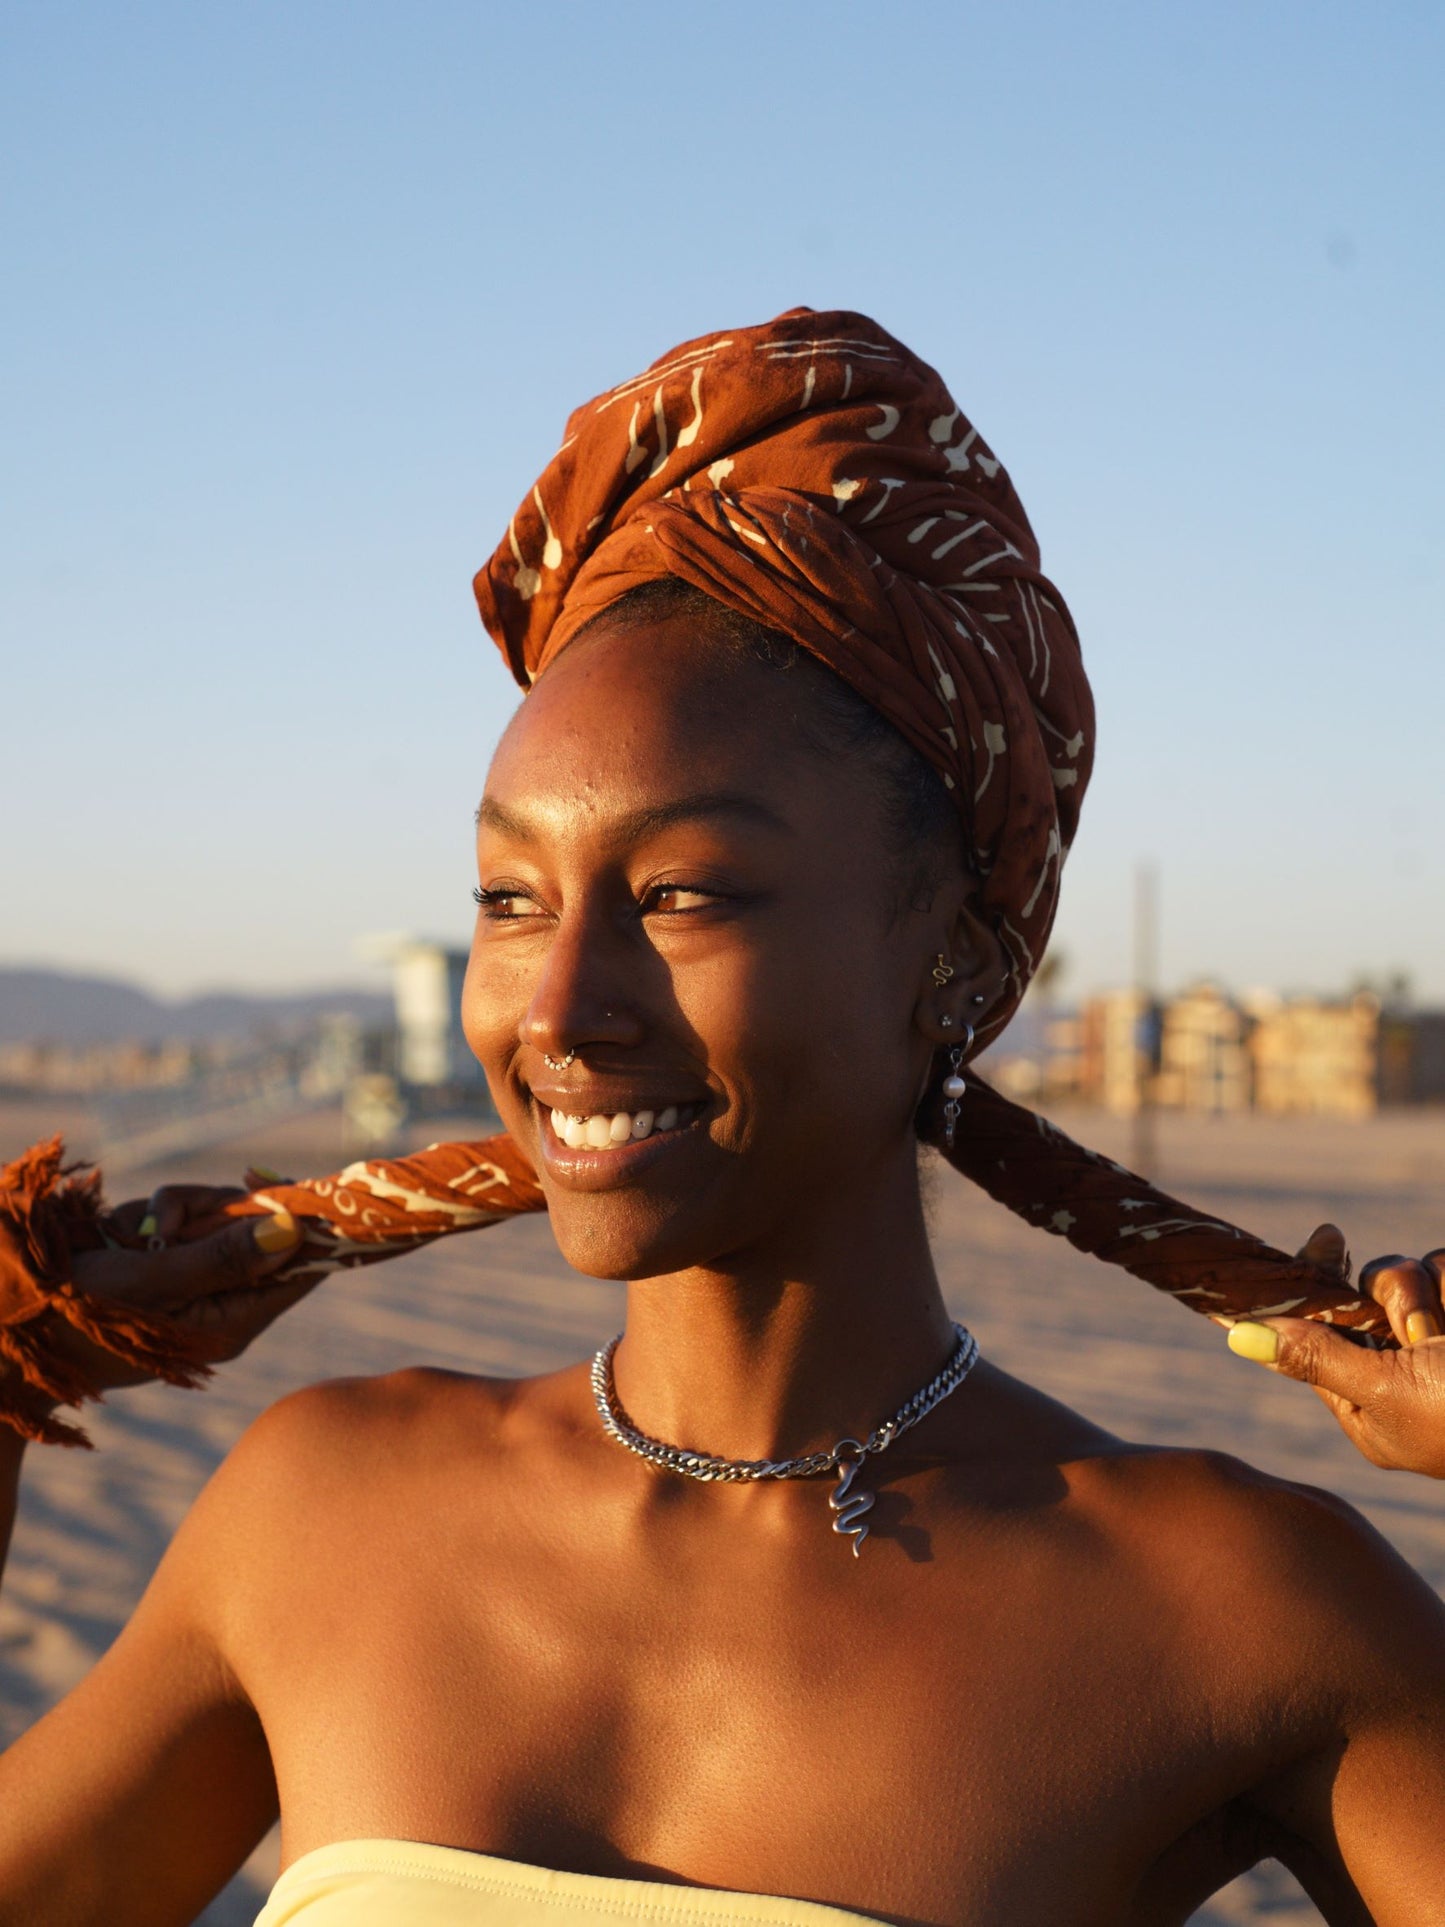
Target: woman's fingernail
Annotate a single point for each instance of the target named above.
(1259, 1342)
(147, 1225)
(265, 1174)
(277, 1233)
(1421, 1325)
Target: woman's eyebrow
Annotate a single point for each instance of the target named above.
(646, 822)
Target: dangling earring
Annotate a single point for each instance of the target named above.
(954, 1086)
(942, 970)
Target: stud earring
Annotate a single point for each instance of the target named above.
(954, 1086)
(558, 1063)
(945, 1022)
(942, 971)
(977, 998)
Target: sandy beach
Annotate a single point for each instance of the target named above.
(92, 1525)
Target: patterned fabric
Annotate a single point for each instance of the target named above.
(47, 1213)
(815, 476)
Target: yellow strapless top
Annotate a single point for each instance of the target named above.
(401, 1883)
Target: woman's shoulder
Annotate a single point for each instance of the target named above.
(338, 1467)
(1273, 1573)
(391, 1418)
(348, 1453)
(1233, 1550)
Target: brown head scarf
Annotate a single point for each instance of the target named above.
(816, 477)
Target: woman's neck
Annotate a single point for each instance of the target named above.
(784, 1348)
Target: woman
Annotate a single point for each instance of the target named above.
(495, 1646)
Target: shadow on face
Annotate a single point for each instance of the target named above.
(690, 910)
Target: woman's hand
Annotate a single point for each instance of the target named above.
(215, 1284)
(1390, 1405)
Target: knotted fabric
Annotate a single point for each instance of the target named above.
(815, 477)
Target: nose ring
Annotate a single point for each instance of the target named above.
(558, 1063)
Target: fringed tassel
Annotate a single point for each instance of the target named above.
(50, 1212)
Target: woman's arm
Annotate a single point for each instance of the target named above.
(1352, 1641)
(142, 1792)
(138, 1796)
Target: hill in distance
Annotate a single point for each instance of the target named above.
(57, 1007)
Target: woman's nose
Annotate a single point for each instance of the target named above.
(587, 992)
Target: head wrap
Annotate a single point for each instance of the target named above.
(812, 475)
(815, 476)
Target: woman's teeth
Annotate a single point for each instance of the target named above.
(601, 1132)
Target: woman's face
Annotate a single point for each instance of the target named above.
(678, 888)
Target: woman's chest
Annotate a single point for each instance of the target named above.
(946, 1741)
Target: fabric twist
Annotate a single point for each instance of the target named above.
(815, 476)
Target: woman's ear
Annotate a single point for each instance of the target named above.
(962, 980)
(980, 962)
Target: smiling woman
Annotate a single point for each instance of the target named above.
(776, 833)
(691, 893)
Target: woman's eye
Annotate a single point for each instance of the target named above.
(669, 897)
(507, 906)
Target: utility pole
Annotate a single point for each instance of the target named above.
(1146, 988)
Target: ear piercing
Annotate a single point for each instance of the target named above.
(558, 1063)
(943, 973)
(954, 1086)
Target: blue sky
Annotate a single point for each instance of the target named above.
(299, 297)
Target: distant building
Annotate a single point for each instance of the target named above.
(1205, 1051)
(1117, 1049)
(126, 1065)
(1063, 1066)
(1412, 1057)
(1315, 1058)
(1204, 1060)
(427, 983)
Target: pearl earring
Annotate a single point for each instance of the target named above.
(954, 1086)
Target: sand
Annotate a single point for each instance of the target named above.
(92, 1525)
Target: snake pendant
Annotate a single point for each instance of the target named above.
(850, 1506)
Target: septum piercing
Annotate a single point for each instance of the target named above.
(558, 1063)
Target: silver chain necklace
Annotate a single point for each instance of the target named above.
(845, 1458)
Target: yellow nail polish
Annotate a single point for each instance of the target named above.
(147, 1226)
(1421, 1325)
(277, 1233)
(1259, 1342)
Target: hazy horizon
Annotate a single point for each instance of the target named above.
(372, 980)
